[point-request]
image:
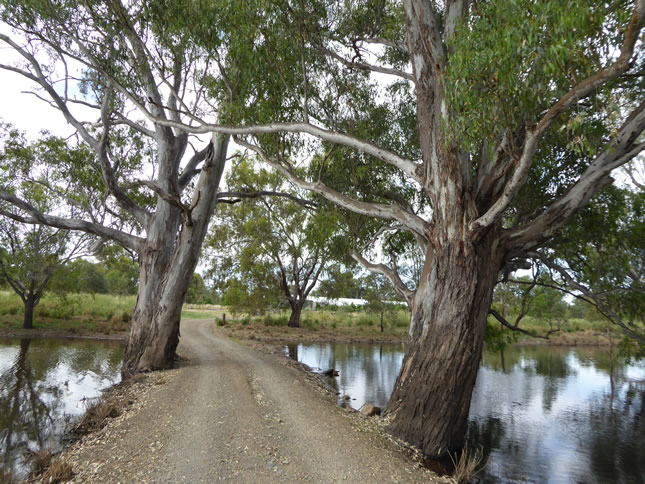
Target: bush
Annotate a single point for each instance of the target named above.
(365, 321)
(270, 320)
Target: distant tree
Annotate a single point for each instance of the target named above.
(252, 292)
(339, 281)
(29, 257)
(549, 306)
(121, 269)
(274, 238)
(197, 291)
(380, 297)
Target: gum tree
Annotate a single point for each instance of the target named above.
(279, 237)
(106, 66)
(30, 255)
(504, 120)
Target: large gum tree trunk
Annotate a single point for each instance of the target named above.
(167, 264)
(431, 398)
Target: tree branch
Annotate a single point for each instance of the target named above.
(508, 325)
(386, 271)
(535, 133)
(37, 217)
(190, 169)
(363, 66)
(400, 46)
(618, 152)
(603, 308)
(408, 167)
(238, 196)
(412, 222)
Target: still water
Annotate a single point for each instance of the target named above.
(540, 414)
(44, 385)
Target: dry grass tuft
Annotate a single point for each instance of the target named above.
(40, 460)
(96, 416)
(59, 471)
(468, 465)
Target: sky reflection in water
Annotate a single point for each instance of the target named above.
(541, 414)
(44, 384)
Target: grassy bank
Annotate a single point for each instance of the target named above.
(74, 313)
(572, 332)
(103, 314)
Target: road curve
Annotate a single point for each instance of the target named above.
(233, 414)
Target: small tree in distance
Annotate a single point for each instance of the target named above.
(277, 240)
(380, 297)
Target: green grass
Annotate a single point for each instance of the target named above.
(572, 325)
(340, 320)
(76, 313)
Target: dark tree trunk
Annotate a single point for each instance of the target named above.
(431, 398)
(296, 311)
(28, 321)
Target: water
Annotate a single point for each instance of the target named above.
(540, 414)
(44, 385)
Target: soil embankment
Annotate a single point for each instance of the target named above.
(236, 414)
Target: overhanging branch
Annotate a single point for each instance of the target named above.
(388, 272)
(236, 197)
(37, 217)
(508, 325)
(535, 133)
(411, 221)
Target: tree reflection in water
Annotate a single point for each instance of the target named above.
(538, 413)
(42, 385)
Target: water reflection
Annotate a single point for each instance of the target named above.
(541, 414)
(366, 372)
(43, 385)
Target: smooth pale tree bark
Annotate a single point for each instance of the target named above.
(465, 242)
(146, 185)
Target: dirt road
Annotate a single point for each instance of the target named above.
(237, 415)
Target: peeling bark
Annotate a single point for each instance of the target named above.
(167, 264)
(431, 397)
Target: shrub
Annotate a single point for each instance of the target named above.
(40, 460)
(365, 321)
(270, 320)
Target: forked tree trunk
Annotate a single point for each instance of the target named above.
(167, 264)
(431, 398)
(296, 312)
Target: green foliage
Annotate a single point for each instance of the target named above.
(198, 292)
(340, 282)
(78, 312)
(513, 60)
(268, 248)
